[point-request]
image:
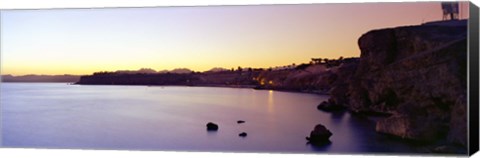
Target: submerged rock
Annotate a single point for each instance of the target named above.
(448, 149)
(243, 134)
(240, 121)
(320, 135)
(212, 126)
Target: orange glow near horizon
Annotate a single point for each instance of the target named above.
(83, 41)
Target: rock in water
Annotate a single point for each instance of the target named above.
(243, 134)
(212, 126)
(329, 106)
(240, 121)
(448, 149)
(320, 135)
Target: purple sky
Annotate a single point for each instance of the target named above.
(82, 41)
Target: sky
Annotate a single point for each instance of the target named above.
(83, 41)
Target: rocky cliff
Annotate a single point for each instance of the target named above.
(417, 74)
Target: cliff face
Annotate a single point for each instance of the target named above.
(418, 75)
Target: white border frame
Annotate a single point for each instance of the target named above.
(49, 4)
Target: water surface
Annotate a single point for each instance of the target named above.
(58, 115)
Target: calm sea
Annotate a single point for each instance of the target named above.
(58, 115)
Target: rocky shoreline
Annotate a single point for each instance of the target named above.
(304, 78)
(416, 77)
(413, 77)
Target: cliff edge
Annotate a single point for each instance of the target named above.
(417, 75)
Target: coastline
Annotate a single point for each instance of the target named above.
(254, 87)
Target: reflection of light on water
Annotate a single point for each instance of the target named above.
(270, 101)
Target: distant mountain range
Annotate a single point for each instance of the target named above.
(159, 75)
(40, 78)
(152, 71)
(76, 78)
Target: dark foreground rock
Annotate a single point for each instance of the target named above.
(320, 135)
(212, 126)
(243, 134)
(415, 73)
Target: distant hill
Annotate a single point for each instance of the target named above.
(40, 78)
(142, 71)
(152, 71)
(217, 69)
(181, 71)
